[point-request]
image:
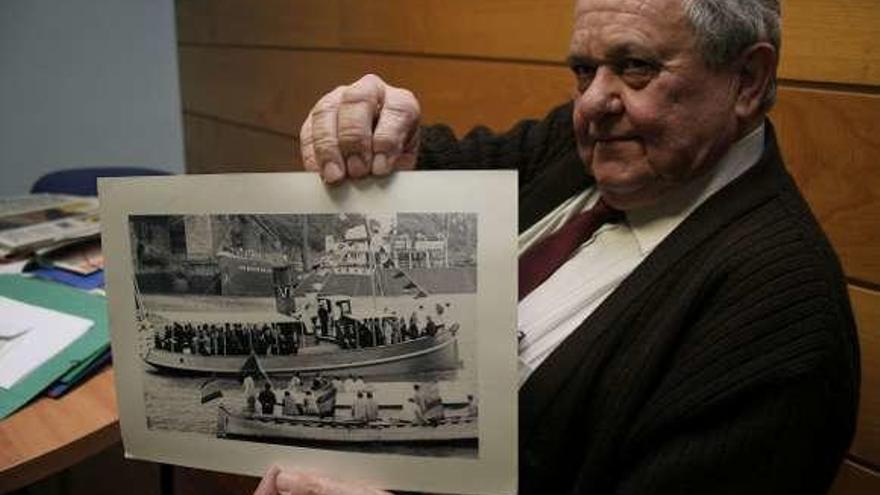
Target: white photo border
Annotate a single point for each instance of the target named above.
(490, 194)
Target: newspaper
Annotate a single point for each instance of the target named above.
(39, 220)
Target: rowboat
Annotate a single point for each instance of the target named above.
(314, 429)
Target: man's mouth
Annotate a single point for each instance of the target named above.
(620, 189)
(612, 139)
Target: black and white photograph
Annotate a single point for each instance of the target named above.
(351, 331)
(366, 330)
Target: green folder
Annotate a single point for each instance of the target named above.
(76, 373)
(65, 300)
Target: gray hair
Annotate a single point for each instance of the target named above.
(725, 28)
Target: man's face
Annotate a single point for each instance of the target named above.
(650, 115)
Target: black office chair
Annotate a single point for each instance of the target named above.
(84, 181)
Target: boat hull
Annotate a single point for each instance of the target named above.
(267, 427)
(438, 353)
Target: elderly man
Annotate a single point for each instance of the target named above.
(709, 345)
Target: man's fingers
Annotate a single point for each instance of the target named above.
(407, 160)
(323, 137)
(367, 127)
(398, 123)
(357, 111)
(300, 483)
(267, 484)
(307, 146)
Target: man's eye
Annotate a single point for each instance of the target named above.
(636, 64)
(636, 72)
(584, 74)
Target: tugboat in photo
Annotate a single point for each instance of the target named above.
(340, 354)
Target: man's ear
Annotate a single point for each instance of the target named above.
(757, 69)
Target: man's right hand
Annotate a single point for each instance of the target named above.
(280, 482)
(368, 127)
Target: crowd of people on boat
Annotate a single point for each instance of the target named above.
(309, 396)
(228, 339)
(286, 338)
(387, 329)
(301, 396)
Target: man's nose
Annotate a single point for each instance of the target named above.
(602, 97)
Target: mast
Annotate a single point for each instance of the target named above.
(305, 245)
(446, 243)
(371, 266)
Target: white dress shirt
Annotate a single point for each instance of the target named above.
(559, 305)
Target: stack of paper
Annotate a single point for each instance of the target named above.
(30, 336)
(31, 222)
(54, 237)
(50, 334)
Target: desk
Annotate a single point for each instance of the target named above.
(51, 435)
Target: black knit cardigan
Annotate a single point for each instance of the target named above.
(726, 363)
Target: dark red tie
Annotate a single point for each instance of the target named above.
(542, 259)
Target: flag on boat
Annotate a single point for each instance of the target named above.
(253, 367)
(210, 390)
(326, 399)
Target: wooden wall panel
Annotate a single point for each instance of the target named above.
(217, 147)
(265, 23)
(275, 89)
(866, 306)
(854, 479)
(831, 41)
(824, 40)
(504, 29)
(832, 147)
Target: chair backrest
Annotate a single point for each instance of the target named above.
(84, 181)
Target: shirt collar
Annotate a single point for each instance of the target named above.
(651, 225)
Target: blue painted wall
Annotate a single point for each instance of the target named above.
(87, 83)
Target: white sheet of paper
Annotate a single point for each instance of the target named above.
(12, 329)
(33, 336)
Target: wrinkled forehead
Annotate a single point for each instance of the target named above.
(655, 23)
(659, 9)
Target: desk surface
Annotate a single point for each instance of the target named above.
(50, 435)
